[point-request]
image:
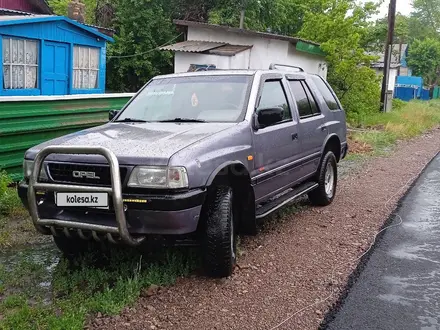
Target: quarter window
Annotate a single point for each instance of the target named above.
(301, 99)
(85, 67)
(20, 63)
(304, 99)
(273, 96)
(312, 101)
(330, 100)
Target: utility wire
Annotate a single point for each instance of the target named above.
(148, 51)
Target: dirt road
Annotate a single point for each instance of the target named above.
(296, 270)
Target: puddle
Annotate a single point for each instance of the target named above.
(28, 271)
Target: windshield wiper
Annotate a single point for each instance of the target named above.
(131, 120)
(182, 120)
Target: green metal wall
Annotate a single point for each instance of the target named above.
(24, 124)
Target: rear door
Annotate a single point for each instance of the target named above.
(277, 146)
(311, 128)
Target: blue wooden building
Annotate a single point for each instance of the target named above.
(50, 55)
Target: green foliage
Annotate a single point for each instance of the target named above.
(425, 18)
(376, 33)
(60, 8)
(277, 16)
(407, 120)
(141, 26)
(340, 30)
(424, 60)
(5, 181)
(91, 284)
(398, 104)
(9, 201)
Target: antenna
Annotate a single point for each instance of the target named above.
(273, 66)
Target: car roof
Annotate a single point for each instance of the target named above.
(217, 72)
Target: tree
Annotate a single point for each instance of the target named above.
(141, 26)
(277, 16)
(59, 7)
(424, 60)
(340, 29)
(376, 33)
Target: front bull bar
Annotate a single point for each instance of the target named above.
(115, 191)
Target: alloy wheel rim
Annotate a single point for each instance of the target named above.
(329, 180)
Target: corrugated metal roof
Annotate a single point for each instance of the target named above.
(229, 50)
(242, 31)
(6, 11)
(193, 46)
(11, 12)
(15, 19)
(208, 47)
(380, 65)
(21, 17)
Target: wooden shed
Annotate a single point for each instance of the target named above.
(50, 55)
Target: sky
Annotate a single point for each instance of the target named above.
(402, 6)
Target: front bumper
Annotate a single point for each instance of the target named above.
(172, 214)
(175, 214)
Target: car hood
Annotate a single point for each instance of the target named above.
(133, 143)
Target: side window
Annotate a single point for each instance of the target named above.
(301, 99)
(273, 96)
(326, 93)
(312, 101)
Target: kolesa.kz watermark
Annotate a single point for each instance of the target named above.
(81, 199)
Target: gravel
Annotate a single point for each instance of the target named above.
(290, 268)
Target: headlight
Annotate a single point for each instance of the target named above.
(28, 167)
(158, 177)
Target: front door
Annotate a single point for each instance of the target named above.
(276, 146)
(55, 68)
(312, 131)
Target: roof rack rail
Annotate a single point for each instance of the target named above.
(273, 66)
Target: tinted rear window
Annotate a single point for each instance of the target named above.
(326, 93)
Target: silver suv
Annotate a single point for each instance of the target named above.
(200, 155)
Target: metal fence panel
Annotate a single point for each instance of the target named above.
(26, 123)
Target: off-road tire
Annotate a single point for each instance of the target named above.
(220, 239)
(320, 196)
(72, 247)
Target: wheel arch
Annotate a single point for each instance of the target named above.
(237, 175)
(332, 143)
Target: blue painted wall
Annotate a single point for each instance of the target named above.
(60, 30)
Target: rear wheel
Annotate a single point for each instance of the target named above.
(220, 238)
(327, 181)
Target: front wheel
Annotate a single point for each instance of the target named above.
(220, 238)
(327, 180)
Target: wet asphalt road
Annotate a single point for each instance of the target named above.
(399, 288)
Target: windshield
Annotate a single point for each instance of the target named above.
(198, 99)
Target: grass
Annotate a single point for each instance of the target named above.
(405, 121)
(39, 291)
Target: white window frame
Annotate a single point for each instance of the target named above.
(10, 64)
(89, 68)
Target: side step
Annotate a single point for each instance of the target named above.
(274, 204)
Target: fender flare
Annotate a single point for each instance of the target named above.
(324, 145)
(219, 168)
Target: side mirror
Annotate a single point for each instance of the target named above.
(268, 116)
(112, 114)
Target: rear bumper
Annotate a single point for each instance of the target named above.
(344, 150)
(172, 214)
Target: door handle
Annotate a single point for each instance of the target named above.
(294, 136)
(323, 128)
